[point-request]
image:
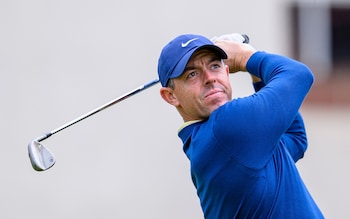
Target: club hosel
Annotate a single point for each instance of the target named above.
(43, 137)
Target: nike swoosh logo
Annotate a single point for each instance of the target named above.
(188, 42)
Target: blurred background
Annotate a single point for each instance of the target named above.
(61, 59)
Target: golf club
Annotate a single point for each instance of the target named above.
(42, 159)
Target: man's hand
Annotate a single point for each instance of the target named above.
(235, 37)
(238, 55)
(238, 52)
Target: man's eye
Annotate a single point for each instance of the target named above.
(215, 66)
(191, 74)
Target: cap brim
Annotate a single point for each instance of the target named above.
(181, 65)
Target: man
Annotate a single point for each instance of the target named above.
(243, 151)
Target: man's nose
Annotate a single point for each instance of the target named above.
(210, 77)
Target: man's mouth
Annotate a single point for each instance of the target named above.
(213, 92)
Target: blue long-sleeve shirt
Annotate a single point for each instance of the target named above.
(243, 156)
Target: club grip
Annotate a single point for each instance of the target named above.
(246, 38)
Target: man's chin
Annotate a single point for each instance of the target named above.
(217, 104)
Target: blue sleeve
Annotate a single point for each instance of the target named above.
(295, 140)
(250, 128)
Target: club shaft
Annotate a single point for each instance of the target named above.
(99, 109)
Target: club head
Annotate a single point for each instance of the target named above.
(40, 157)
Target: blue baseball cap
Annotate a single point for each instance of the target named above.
(176, 54)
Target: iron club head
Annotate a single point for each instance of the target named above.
(40, 157)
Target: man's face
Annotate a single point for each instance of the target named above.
(202, 88)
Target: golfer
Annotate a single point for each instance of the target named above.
(242, 151)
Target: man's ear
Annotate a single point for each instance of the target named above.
(168, 95)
